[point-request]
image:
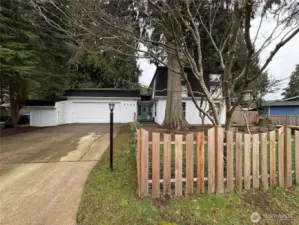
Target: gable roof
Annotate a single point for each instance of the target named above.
(161, 76)
(102, 92)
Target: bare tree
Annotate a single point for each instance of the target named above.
(182, 25)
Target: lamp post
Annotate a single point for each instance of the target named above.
(111, 107)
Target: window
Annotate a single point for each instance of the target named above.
(184, 109)
(139, 110)
(155, 109)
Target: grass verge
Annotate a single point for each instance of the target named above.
(110, 198)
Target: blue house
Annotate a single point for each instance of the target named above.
(289, 106)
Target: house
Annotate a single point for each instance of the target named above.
(289, 106)
(153, 105)
(92, 105)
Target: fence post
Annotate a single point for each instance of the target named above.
(287, 157)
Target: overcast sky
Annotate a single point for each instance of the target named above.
(281, 67)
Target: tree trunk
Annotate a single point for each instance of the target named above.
(227, 98)
(174, 118)
(1, 90)
(17, 99)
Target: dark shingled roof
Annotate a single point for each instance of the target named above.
(42, 102)
(101, 93)
(161, 76)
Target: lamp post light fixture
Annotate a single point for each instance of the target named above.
(111, 107)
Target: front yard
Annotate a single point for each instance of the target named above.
(111, 199)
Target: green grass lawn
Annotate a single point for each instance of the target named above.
(111, 199)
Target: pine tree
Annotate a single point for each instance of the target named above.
(18, 56)
(107, 70)
(293, 86)
(54, 52)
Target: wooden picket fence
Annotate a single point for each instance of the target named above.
(217, 162)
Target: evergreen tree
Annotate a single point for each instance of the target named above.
(107, 70)
(54, 52)
(293, 86)
(18, 55)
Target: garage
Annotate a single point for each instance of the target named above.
(85, 106)
(95, 112)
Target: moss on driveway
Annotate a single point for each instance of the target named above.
(110, 198)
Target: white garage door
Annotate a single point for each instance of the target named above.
(95, 112)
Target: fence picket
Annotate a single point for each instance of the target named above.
(167, 164)
(264, 158)
(139, 160)
(239, 168)
(229, 161)
(200, 162)
(280, 134)
(144, 163)
(272, 158)
(247, 154)
(211, 160)
(288, 157)
(189, 164)
(178, 165)
(255, 161)
(156, 165)
(297, 156)
(219, 160)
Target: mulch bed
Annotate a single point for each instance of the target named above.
(13, 131)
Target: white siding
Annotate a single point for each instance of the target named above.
(43, 117)
(91, 110)
(192, 113)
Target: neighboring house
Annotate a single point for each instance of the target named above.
(289, 106)
(152, 106)
(92, 105)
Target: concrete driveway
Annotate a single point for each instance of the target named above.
(43, 172)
